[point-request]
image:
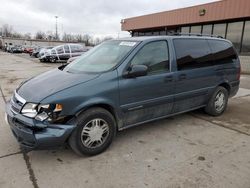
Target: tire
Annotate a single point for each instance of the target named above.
(218, 102)
(81, 140)
(53, 60)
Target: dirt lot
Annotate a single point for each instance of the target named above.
(189, 150)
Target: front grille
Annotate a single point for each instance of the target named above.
(16, 103)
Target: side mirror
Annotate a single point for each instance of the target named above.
(136, 71)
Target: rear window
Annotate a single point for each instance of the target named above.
(192, 53)
(76, 48)
(223, 51)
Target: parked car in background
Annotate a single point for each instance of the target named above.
(35, 51)
(44, 55)
(9, 46)
(63, 53)
(73, 59)
(16, 49)
(28, 49)
(76, 57)
(120, 84)
(43, 50)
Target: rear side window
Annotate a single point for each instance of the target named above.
(66, 48)
(192, 53)
(155, 56)
(53, 51)
(60, 50)
(223, 52)
(76, 48)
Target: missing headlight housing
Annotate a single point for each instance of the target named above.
(42, 112)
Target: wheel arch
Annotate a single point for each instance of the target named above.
(110, 108)
(227, 86)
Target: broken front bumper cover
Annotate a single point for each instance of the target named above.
(32, 134)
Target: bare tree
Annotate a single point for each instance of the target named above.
(97, 41)
(17, 35)
(86, 39)
(40, 35)
(7, 30)
(27, 36)
(68, 37)
(79, 38)
(107, 38)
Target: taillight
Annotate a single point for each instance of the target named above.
(238, 73)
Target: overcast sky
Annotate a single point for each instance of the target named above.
(95, 17)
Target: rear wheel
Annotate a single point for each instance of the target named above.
(94, 132)
(218, 102)
(53, 60)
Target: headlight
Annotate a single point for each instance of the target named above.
(42, 112)
(30, 110)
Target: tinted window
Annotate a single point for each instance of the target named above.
(60, 50)
(154, 55)
(76, 48)
(66, 48)
(223, 51)
(192, 53)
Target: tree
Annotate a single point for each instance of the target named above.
(40, 35)
(17, 35)
(107, 38)
(27, 36)
(68, 37)
(97, 41)
(7, 30)
(79, 38)
(86, 39)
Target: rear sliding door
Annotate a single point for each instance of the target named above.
(195, 73)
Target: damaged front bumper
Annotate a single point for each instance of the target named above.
(32, 134)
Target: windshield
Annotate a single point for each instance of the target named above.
(102, 57)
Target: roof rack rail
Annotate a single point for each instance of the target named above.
(195, 34)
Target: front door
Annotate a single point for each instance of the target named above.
(148, 97)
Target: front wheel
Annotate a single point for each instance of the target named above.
(218, 102)
(94, 133)
(53, 60)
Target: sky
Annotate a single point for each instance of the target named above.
(99, 18)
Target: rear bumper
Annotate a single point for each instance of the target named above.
(32, 134)
(234, 88)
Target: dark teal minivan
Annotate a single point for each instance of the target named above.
(119, 84)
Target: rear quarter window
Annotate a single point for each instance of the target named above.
(223, 51)
(76, 48)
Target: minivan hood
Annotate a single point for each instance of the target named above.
(48, 83)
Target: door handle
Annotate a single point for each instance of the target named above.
(182, 76)
(168, 79)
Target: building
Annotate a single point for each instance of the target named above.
(31, 42)
(227, 18)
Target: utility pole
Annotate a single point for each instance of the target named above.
(56, 28)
